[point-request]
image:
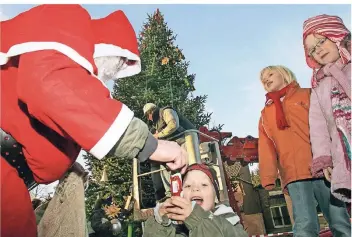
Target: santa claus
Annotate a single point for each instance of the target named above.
(54, 60)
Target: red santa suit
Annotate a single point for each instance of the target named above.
(52, 102)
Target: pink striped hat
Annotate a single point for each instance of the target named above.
(331, 27)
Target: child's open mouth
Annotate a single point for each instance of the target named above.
(198, 200)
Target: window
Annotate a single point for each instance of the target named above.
(280, 216)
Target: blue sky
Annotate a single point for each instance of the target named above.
(227, 46)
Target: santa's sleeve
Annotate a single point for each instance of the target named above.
(65, 97)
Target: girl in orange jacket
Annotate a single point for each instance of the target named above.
(284, 146)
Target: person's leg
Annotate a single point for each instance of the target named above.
(17, 215)
(157, 181)
(304, 209)
(65, 214)
(334, 210)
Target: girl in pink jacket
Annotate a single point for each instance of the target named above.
(327, 44)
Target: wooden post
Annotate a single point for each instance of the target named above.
(135, 185)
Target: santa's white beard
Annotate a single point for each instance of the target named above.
(108, 67)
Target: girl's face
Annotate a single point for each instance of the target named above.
(198, 187)
(272, 80)
(322, 49)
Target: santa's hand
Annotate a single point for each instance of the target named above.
(172, 154)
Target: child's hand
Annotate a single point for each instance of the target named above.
(180, 209)
(164, 206)
(327, 173)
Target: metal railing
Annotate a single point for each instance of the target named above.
(194, 156)
(191, 139)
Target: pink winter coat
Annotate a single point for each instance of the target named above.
(326, 144)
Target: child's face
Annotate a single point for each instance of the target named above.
(322, 49)
(198, 187)
(272, 80)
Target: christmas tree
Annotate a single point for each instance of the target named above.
(164, 80)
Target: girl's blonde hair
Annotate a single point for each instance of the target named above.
(286, 73)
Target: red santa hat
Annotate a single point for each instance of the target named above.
(115, 36)
(49, 30)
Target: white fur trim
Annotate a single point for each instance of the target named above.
(36, 46)
(114, 133)
(102, 50)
